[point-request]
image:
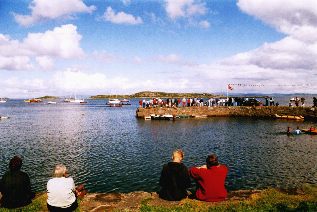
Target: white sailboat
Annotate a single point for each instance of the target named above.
(2, 100)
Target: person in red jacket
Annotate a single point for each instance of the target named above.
(210, 180)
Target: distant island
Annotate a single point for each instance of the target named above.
(48, 97)
(156, 94)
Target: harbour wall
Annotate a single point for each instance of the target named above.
(309, 113)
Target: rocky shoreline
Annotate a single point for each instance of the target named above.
(270, 199)
(133, 201)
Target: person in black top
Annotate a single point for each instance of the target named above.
(174, 178)
(15, 186)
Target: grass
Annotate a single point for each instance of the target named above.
(266, 200)
(38, 204)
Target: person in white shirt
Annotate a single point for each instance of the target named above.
(61, 191)
(298, 131)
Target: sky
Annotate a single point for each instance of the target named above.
(90, 47)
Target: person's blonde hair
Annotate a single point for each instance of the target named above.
(178, 152)
(60, 170)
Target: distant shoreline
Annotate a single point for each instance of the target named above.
(152, 94)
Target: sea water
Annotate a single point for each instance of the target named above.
(110, 150)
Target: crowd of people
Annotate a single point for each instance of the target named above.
(199, 102)
(230, 101)
(296, 101)
(62, 193)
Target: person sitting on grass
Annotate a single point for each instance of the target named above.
(61, 191)
(174, 178)
(15, 186)
(210, 179)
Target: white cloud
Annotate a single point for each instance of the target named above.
(137, 60)
(45, 62)
(279, 64)
(204, 24)
(288, 16)
(184, 8)
(171, 58)
(298, 20)
(86, 83)
(126, 2)
(174, 59)
(15, 63)
(121, 17)
(43, 9)
(61, 42)
(104, 56)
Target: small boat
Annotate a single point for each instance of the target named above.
(147, 117)
(125, 102)
(200, 116)
(2, 100)
(80, 101)
(51, 103)
(34, 100)
(162, 117)
(75, 100)
(114, 103)
(312, 131)
(4, 117)
(298, 118)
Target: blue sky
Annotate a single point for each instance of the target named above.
(125, 46)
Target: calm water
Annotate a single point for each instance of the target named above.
(109, 150)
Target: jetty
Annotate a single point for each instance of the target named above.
(308, 113)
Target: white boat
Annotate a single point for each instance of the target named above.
(4, 117)
(125, 102)
(162, 117)
(51, 102)
(75, 100)
(2, 100)
(114, 103)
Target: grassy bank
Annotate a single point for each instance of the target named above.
(266, 200)
(304, 199)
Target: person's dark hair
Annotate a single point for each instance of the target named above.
(212, 160)
(15, 163)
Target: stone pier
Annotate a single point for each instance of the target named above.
(309, 113)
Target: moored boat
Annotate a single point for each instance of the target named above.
(2, 100)
(125, 102)
(114, 103)
(80, 101)
(34, 100)
(75, 100)
(298, 118)
(162, 117)
(312, 131)
(51, 103)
